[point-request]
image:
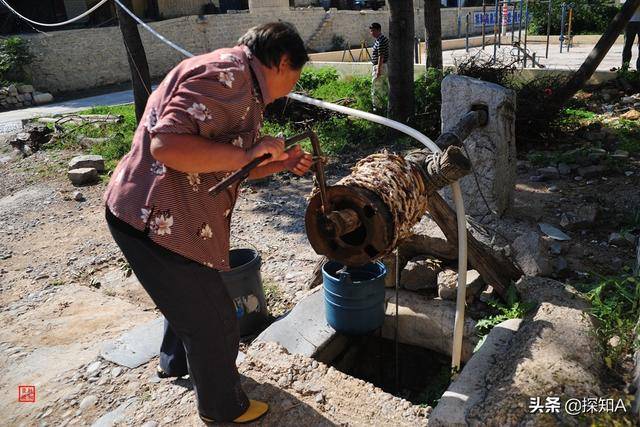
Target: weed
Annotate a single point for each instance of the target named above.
(512, 308)
(615, 302)
(57, 282)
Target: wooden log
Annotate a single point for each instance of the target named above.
(495, 269)
(316, 276)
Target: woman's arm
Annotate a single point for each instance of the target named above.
(193, 153)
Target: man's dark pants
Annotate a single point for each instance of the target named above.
(202, 316)
(630, 32)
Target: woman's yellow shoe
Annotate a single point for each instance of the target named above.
(255, 410)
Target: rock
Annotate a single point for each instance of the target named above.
(421, 273)
(115, 372)
(136, 346)
(530, 256)
(549, 173)
(592, 171)
(614, 341)
(150, 424)
(553, 189)
(448, 284)
(491, 149)
(78, 196)
(42, 98)
(82, 176)
(88, 402)
(536, 178)
(618, 239)
(564, 169)
(427, 239)
(620, 155)
(632, 114)
(319, 398)
(487, 294)
(555, 248)
(627, 100)
(13, 90)
(553, 232)
(93, 368)
(25, 89)
(583, 217)
(87, 161)
(560, 265)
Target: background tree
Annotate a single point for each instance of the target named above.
(433, 31)
(401, 34)
(140, 78)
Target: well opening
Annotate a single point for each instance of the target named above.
(422, 377)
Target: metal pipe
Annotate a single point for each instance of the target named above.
(526, 35)
(513, 22)
(520, 30)
(495, 31)
(484, 15)
(569, 28)
(466, 38)
(546, 54)
(563, 7)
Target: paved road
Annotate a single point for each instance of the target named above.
(12, 120)
(567, 60)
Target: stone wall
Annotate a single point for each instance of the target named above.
(87, 58)
(19, 96)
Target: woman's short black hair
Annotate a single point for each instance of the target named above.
(268, 42)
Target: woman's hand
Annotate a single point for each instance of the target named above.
(269, 145)
(299, 161)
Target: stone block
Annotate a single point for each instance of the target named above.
(492, 148)
(12, 90)
(87, 161)
(448, 284)
(420, 273)
(427, 323)
(82, 176)
(25, 89)
(530, 255)
(42, 98)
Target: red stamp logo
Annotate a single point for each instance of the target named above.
(27, 393)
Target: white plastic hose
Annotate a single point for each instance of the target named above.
(55, 24)
(458, 329)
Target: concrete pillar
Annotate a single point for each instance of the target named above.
(491, 149)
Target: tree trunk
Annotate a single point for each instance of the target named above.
(433, 31)
(401, 34)
(140, 78)
(600, 50)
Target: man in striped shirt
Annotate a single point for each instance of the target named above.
(379, 76)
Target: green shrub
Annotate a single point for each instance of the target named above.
(356, 89)
(589, 16)
(14, 57)
(312, 78)
(428, 101)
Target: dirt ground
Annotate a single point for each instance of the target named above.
(64, 290)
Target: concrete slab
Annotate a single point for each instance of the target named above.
(137, 346)
(304, 330)
(470, 386)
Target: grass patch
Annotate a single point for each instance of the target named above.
(119, 135)
(628, 132)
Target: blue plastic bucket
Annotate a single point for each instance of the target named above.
(354, 302)
(244, 284)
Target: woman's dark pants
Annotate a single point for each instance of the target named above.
(202, 319)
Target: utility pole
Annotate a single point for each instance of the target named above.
(140, 77)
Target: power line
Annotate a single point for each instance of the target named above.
(56, 24)
(152, 31)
